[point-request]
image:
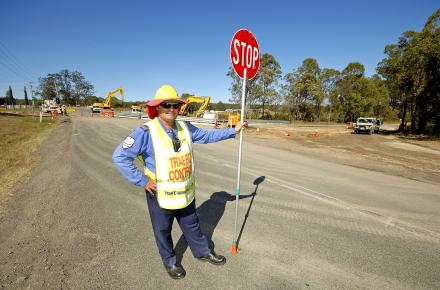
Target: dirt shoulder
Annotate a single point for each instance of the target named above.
(389, 153)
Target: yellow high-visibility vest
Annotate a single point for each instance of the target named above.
(174, 170)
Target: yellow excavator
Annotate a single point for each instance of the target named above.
(195, 106)
(104, 109)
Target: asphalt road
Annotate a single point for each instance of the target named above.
(77, 224)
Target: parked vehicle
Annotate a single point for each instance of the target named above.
(367, 125)
(96, 107)
(136, 109)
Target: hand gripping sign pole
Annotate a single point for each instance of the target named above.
(245, 57)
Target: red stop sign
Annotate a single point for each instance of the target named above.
(245, 53)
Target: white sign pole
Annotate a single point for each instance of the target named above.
(237, 190)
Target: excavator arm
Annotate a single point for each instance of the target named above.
(111, 94)
(190, 106)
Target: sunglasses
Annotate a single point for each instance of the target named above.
(168, 105)
(176, 144)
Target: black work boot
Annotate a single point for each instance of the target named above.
(214, 259)
(176, 271)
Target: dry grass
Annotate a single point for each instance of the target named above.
(20, 137)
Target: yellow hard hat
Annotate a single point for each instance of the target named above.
(165, 93)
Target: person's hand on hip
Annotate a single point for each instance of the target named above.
(151, 186)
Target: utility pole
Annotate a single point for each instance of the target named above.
(32, 95)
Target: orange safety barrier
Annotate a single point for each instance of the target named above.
(110, 114)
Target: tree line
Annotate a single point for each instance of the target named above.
(70, 88)
(412, 73)
(312, 93)
(406, 86)
(10, 100)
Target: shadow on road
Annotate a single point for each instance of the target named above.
(253, 194)
(210, 212)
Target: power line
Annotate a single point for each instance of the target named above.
(15, 60)
(9, 66)
(14, 63)
(10, 69)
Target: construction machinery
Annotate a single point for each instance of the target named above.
(49, 105)
(195, 106)
(70, 109)
(104, 109)
(230, 117)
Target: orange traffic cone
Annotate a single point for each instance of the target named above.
(258, 131)
(234, 249)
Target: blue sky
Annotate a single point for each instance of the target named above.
(140, 45)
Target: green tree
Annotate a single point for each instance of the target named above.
(26, 100)
(427, 59)
(329, 78)
(7, 97)
(10, 96)
(220, 106)
(64, 85)
(89, 100)
(81, 87)
(47, 87)
(351, 94)
(252, 89)
(355, 93)
(268, 77)
(71, 87)
(412, 73)
(354, 69)
(304, 90)
(381, 106)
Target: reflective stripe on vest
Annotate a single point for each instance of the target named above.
(174, 170)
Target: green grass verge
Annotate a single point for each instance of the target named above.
(20, 137)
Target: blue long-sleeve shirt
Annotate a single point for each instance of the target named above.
(139, 143)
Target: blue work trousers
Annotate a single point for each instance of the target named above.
(162, 222)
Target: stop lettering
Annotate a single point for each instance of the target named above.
(245, 53)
